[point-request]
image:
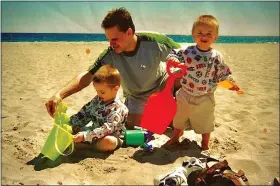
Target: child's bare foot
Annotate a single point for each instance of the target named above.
(204, 147)
(172, 141)
(176, 136)
(205, 141)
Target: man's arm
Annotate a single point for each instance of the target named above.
(75, 85)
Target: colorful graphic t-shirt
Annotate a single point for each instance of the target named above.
(105, 118)
(205, 69)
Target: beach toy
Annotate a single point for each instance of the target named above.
(87, 51)
(60, 137)
(227, 84)
(161, 106)
(138, 137)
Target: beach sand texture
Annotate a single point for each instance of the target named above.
(246, 133)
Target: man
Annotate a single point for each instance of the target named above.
(139, 59)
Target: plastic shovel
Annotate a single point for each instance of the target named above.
(161, 106)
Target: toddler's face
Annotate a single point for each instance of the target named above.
(204, 36)
(105, 92)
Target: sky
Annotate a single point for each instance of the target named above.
(235, 18)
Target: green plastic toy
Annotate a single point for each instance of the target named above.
(60, 137)
(138, 137)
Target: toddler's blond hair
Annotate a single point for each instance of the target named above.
(206, 20)
(107, 74)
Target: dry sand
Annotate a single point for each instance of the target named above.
(246, 134)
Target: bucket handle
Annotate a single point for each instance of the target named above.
(55, 144)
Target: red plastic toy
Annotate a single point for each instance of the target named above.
(161, 106)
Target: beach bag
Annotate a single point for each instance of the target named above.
(60, 137)
(219, 174)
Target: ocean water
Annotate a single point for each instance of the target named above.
(63, 37)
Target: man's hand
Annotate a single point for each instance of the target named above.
(52, 103)
(78, 137)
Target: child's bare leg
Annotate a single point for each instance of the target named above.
(108, 143)
(205, 141)
(82, 146)
(177, 133)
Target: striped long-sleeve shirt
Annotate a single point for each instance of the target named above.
(106, 118)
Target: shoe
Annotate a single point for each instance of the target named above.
(179, 176)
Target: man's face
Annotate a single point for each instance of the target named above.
(118, 40)
(204, 36)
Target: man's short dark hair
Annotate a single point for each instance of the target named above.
(119, 17)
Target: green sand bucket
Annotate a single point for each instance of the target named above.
(57, 142)
(60, 136)
(134, 137)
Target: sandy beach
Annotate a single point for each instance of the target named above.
(246, 133)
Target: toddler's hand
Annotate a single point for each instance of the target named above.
(237, 89)
(234, 88)
(78, 137)
(172, 59)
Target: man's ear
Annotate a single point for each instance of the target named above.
(129, 32)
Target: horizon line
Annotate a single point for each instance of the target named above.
(147, 31)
